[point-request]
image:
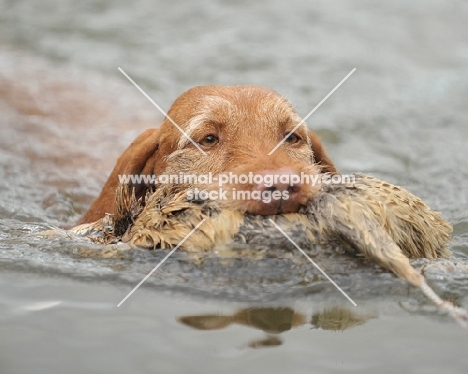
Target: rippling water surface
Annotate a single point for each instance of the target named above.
(66, 113)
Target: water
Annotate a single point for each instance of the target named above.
(67, 113)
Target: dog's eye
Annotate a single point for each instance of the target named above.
(292, 139)
(209, 141)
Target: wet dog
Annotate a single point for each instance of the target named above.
(225, 129)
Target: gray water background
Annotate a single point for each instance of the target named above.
(67, 113)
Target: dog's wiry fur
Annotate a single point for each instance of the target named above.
(249, 122)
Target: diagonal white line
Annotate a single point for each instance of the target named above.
(162, 111)
(312, 111)
(313, 262)
(164, 259)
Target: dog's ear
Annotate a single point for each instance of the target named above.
(320, 155)
(133, 161)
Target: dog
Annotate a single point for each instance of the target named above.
(236, 127)
(252, 129)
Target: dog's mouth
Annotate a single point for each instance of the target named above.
(268, 192)
(274, 208)
(263, 205)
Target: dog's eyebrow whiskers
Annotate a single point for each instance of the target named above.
(193, 124)
(205, 114)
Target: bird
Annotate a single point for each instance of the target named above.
(366, 216)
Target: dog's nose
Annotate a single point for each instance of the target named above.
(282, 180)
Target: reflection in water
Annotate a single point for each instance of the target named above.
(275, 321)
(337, 319)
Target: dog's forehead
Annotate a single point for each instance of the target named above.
(226, 103)
(235, 110)
(245, 104)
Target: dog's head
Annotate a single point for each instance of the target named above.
(243, 130)
(237, 129)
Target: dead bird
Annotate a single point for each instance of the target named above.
(385, 223)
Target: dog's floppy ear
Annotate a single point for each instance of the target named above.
(133, 161)
(320, 155)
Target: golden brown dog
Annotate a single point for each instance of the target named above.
(236, 127)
